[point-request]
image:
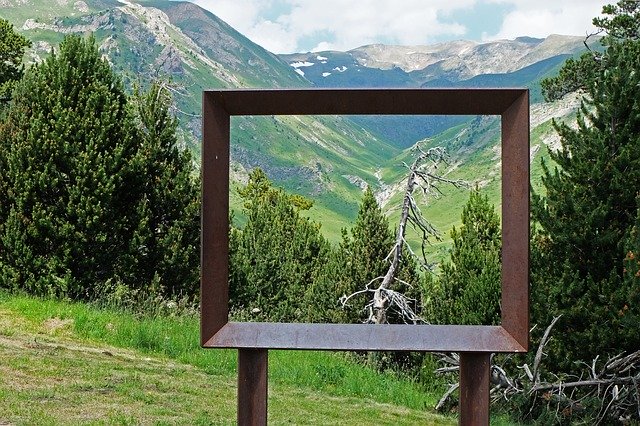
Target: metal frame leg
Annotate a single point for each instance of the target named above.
(252, 387)
(474, 388)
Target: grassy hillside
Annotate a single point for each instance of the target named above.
(474, 149)
(320, 157)
(69, 363)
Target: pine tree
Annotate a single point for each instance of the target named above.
(66, 150)
(364, 254)
(164, 249)
(12, 47)
(589, 207)
(628, 314)
(322, 299)
(619, 22)
(276, 257)
(88, 193)
(467, 290)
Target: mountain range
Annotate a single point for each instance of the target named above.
(329, 158)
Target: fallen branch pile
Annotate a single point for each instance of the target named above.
(612, 387)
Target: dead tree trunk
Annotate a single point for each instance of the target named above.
(423, 175)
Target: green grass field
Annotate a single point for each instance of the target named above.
(71, 363)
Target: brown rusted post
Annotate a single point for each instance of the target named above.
(515, 220)
(252, 387)
(214, 298)
(474, 388)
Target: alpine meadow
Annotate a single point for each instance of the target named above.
(334, 219)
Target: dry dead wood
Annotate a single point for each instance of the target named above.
(424, 178)
(615, 384)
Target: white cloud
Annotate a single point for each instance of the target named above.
(338, 24)
(240, 14)
(541, 18)
(272, 36)
(323, 46)
(297, 25)
(349, 24)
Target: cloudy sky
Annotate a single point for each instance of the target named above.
(285, 26)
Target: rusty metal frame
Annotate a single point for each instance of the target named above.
(475, 342)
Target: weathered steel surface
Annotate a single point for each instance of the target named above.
(365, 337)
(252, 387)
(511, 104)
(515, 220)
(365, 101)
(214, 251)
(473, 409)
(474, 342)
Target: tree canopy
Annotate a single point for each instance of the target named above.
(467, 290)
(95, 194)
(618, 23)
(276, 257)
(12, 48)
(589, 207)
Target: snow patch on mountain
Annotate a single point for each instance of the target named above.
(302, 64)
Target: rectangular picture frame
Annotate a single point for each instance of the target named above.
(216, 331)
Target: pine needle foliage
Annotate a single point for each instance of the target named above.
(276, 257)
(467, 290)
(589, 210)
(12, 48)
(364, 255)
(89, 189)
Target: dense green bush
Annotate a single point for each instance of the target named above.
(360, 257)
(276, 257)
(12, 47)
(631, 265)
(585, 240)
(467, 290)
(95, 195)
(164, 249)
(588, 210)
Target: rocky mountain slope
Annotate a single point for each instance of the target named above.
(384, 65)
(327, 158)
(522, 62)
(194, 50)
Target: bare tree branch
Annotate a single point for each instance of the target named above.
(615, 385)
(447, 394)
(423, 176)
(539, 352)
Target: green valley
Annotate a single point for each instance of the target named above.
(328, 159)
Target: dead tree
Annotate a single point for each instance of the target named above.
(425, 178)
(615, 385)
